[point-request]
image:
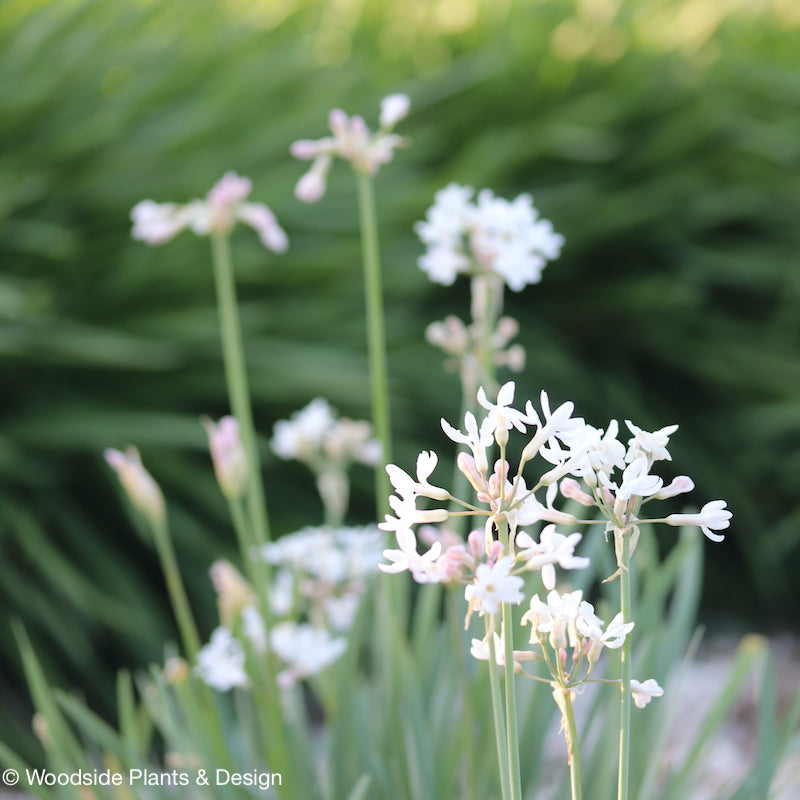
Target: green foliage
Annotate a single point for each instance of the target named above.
(663, 144)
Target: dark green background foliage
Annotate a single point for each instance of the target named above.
(661, 138)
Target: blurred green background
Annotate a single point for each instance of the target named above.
(662, 138)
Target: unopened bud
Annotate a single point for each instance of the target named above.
(679, 485)
(176, 670)
(138, 483)
(571, 489)
(233, 592)
(394, 108)
(228, 455)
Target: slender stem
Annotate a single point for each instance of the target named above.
(625, 668)
(236, 377)
(497, 713)
(512, 734)
(571, 734)
(177, 593)
(376, 336)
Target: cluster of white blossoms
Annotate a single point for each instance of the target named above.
(328, 446)
(616, 479)
(352, 141)
(322, 572)
(314, 435)
(493, 236)
(319, 577)
(157, 223)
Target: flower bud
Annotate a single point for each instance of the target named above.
(138, 483)
(679, 485)
(571, 489)
(233, 592)
(228, 455)
(312, 185)
(176, 670)
(394, 107)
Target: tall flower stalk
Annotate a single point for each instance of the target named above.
(366, 151)
(215, 216)
(376, 334)
(237, 383)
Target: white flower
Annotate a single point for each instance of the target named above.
(220, 663)
(143, 492)
(713, 516)
(494, 586)
(492, 235)
(480, 651)
(302, 434)
(316, 437)
(643, 693)
(501, 416)
(476, 439)
(552, 548)
(636, 481)
(407, 487)
(557, 617)
(651, 445)
(254, 629)
(597, 452)
(157, 223)
(306, 650)
(591, 626)
(228, 455)
(421, 567)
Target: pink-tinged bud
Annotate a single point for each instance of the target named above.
(142, 490)
(228, 455)
(466, 464)
(571, 488)
(476, 543)
(679, 485)
(233, 591)
(495, 551)
(562, 658)
(312, 185)
(394, 108)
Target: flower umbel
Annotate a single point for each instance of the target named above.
(352, 141)
(224, 205)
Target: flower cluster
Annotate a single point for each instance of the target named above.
(617, 481)
(157, 223)
(328, 446)
(321, 573)
(352, 141)
(320, 576)
(504, 238)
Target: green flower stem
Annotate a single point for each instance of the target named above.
(512, 735)
(511, 705)
(177, 593)
(455, 612)
(625, 668)
(257, 569)
(571, 734)
(376, 336)
(497, 713)
(236, 377)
